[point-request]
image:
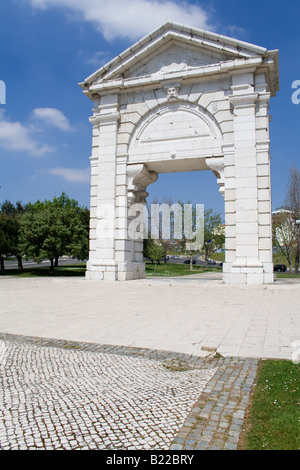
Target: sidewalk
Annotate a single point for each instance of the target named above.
(137, 365)
(192, 315)
(64, 395)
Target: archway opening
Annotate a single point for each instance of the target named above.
(196, 188)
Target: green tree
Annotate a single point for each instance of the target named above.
(4, 238)
(284, 235)
(163, 242)
(292, 203)
(51, 229)
(213, 232)
(153, 250)
(214, 236)
(10, 225)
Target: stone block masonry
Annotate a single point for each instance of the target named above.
(183, 99)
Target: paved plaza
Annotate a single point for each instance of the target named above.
(156, 364)
(185, 315)
(58, 395)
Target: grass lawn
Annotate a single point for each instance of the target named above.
(161, 270)
(274, 418)
(284, 275)
(176, 269)
(71, 270)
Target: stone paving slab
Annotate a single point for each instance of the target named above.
(57, 394)
(178, 315)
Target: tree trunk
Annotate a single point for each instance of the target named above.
(20, 263)
(206, 260)
(297, 261)
(2, 267)
(51, 264)
(56, 261)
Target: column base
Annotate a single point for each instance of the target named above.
(255, 275)
(114, 271)
(101, 270)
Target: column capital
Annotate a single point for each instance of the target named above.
(243, 100)
(105, 114)
(139, 178)
(216, 164)
(94, 160)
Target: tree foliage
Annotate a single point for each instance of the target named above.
(214, 236)
(153, 250)
(284, 235)
(9, 231)
(292, 203)
(51, 229)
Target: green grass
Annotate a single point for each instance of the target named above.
(175, 269)
(219, 257)
(70, 271)
(274, 420)
(161, 270)
(286, 275)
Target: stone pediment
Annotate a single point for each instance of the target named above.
(176, 57)
(176, 49)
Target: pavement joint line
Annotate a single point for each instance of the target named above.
(214, 422)
(191, 360)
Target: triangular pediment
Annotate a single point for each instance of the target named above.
(176, 56)
(173, 48)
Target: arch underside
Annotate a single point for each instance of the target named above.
(178, 137)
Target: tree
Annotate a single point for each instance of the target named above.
(292, 203)
(192, 228)
(10, 220)
(164, 220)
(4, 239)
(284, 235)
(214, 236)
(153, 250)
(51, 229)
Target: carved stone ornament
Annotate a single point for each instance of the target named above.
(172, 92)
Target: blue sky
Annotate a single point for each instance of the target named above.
(48, 46)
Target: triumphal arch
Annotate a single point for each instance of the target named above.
(182, 99)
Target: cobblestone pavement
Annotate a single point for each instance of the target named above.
(58, 394)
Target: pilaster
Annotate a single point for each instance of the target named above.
(102, 264)
(248, 233)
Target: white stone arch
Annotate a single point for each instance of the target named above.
(218, 89)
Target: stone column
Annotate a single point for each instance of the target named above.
(264, 186)
(102, 264)
(230, 211)
(242, 190)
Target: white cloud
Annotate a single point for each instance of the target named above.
(131, 19)
(17, 137)
(99, 58)
(52, 116)
(70, 174)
